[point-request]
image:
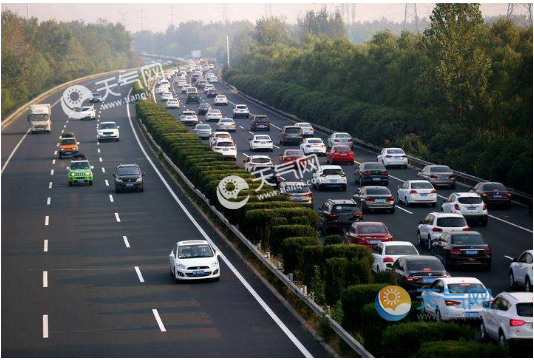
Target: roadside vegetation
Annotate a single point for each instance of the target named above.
(37, 56)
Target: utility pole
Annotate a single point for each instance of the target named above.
(410, 12)
(520, 10)
(268, 10)
(27, 11)
(141, 16)
(224, 10)
(227, 51)
(172, 15)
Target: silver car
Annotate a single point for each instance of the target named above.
(438, 175)
(374, 198)
(203, 131)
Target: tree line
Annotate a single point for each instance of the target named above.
(39, 55)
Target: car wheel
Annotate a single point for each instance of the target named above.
(528, 285)
(419, 240)
(511, 279)
(484, 222)
(344, 188)
(483, 333)
(70, 183)
(319, 188)
(117, 190)
(406, 202)
(141, 189)
(60, 156)
(217, 278)
(502, 339)
(434, 204)
(392, 210)
(91, 182)
(438, 316)
(429, 243)
(377, 269)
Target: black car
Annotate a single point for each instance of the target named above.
(212, 93)
(128, 177)
(417, 272)
(192, 98)
(203, 108)
(95, 98)
(260, 122)
(493, 193)
(371, 173)
(338, 215)
(462, 248)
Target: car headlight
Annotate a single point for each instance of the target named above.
(87, 174)
(140, 180)
(214, 264)
(118, 180)
(181, 266)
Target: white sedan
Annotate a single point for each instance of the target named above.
(226, 124)
(313, 146)
(208, 87)
(240, 110)
(261, 142)
(468, 204)
(213, 115)
(173, 104)
(307, 129)
(166, 96)
(339, 138)
(226, 148)
(219, 135)
(329, 176)
(417, 192)
(194, 259)
(386, 253)
(520, 271)
(455, 298)
(220, 100)
(435, 224)
(393, 157)
(253, 161)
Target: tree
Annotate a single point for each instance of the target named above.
(321, 23)
(271, 31)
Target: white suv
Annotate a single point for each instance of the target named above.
(509, 318)
(240, 110)
(393, 157)
(520, 271)
(108, 131)
(417, 192)
(435, 224)
(470, 205)
(313, 146)
(226, 148)
(329, 176)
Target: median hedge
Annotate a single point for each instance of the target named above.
(291, 250)
(461, 349)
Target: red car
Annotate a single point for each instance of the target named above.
(293, 156)
(368, 233)
(340, 154)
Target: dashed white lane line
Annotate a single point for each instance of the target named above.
(50, 185)
(45, 278)
(241, 127)
(52, 172)
(98, 150)
(55, 153)
(57, 144)
(47, 220)
(97, 142)
(251, 133)
(278, 147)
(48, 200)
(45, 326)
(62, 131)
(403, 209)
(54, 162)
(126, 242)
(276, 127)
(139, 275)
(100, 159)
(508, 257)
(104, 170)
(15, 150)
(158, 320)
(64, 126)
(111, 198)
(45, 245)
(245, 154)
(117, 217)
(107, 182)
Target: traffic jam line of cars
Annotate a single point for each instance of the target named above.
(446, 233)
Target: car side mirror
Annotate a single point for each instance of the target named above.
(118, 127)
(389, 266)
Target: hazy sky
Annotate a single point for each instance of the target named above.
(157, 17)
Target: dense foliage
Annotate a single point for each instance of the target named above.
(36, 56)
(462, 87)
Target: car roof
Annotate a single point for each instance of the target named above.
(256, 135)
(393, 148)
(441, 214)
(420, 257)
(192, 242)
(313, 138)
(418, 181)
(389, 243)
(461, 280)
(79, 161)
(107, 122)
(331, 167)
(467, 194)
(518, 296)
(471, 232)
(340, 133)
(375, 187)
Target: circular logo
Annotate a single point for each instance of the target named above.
(72, 99)
(393, 303)
(229, 188)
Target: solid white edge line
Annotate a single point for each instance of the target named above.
(158, 320)
(508, 257)
(45, 278)
(14, 150)
(139, 275)
(403, 209)
(45, 245)
(45, 326)
(117, 217)
(262, 303)
(126, 242)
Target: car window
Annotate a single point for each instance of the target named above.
(108, 126)
(494, 187)
(128, 170)
(315, 141)
(82, 165)
(194, 251)
(439, 169)
(261, 160)
(400, 250)
(372, 166)
(395, 151)
(467, 239)
(292, 130)
(294, 152)
(528, 259)
(421, 185)
(68, 142)
(341, 208)
(524, 309)
(342, 148)
(425, 265)
(451, 222)
(378, 191)
(466, 288)
(470, 200)
(372, 229)
(327, 172)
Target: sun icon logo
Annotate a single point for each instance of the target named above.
(230, 187)
(393, 303)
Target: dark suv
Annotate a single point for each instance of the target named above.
(128, 177)
(371, 173)
(337, 215)
(260, 122)
(291, 134)
(192, 98)
(203, 108)
(493, 193)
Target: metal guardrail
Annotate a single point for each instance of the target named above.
(342, 333)
(468, 179)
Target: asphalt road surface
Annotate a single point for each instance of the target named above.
(85, 271)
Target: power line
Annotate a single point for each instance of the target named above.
(410, 13)
(519, 10)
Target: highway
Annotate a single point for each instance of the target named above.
(509, 232)
(85, 271)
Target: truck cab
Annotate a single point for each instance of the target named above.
(40, 118)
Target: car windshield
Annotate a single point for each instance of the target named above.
(451, 222)
(372, 229)
(194, 251)
(227, 121)
(396, 151)
(424, 265)
(224, 143)
(467, 239)
(81, 165)
(327, 172)
(96, 95)
(260, 117)
(306, 125)
(203, 127)
(128, 170)
(293, 130)
(294, 153)
(440, 169)
(373, 166)
(242, 107)
(315, 141)
(38, 117)
(466, 288)
(377, 191)
(422, 185)
(341, 208)
(341, 149)
(108, 126)
(87, 108)
(342, 136)
(297, 189)
(221, 97)
(470, 200)
(494, 187)
(261, 160)
(524, 309)
(401, 250)
(68, 142)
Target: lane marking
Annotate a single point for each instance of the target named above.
(103, 170)
(47, 220)
(126, 242)
(276, 126)
(232, 268)
(117, 217)
(241, 127)
(245, 154)
(403, 209)
(52, 172)
(106, 181)
(54, 162)
(45, 245)
(98, 150)
(15, 149)
(48, 200)
(111, 198)
(139, 275)
(64, 126)
(50, 185)
(251, 133)
(276, 146)
(62, 131)
(45, 278)
(45, 326)
(100, 159)
(509, 257)
(57, 144)
(158, 320)
(55, 153)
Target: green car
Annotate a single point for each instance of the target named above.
(80, 172)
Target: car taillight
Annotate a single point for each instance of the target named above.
(333, 216)
(388, 259)
(369, 198)
(433, 176)
(457, 207)
(517, 322)
(391, 198)
(485, 195)
(508, 195)
(485, 207)
(404, 156)
(357, 214)
(437, 229)
(384, 173)
(486, 250)
(452, 176)
(434, 191)
(455, 251)
(413, 192)
(367, 173)
(409, 278)
(452, 302)
(388, 156)
(467, 228)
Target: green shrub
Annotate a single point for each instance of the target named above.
(353, 299)
(291, 253)
(300, 220)
(460, 349)
(333, 239)
(281, 232)
(342, 272)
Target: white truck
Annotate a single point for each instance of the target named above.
(40, 118)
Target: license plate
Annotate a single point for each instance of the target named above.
(471, 208)
(397, 158)
(497, 196)
(332, 181)
(472, 314)
(198, 272)
(380, 200)
(129, 185)
(67, 153)
(424, 195)
(471, 252)
(427, 280)
(81, 181)
(263, 143)
(376, 179)
(374, 241)
(343, 154)
(297, 197)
